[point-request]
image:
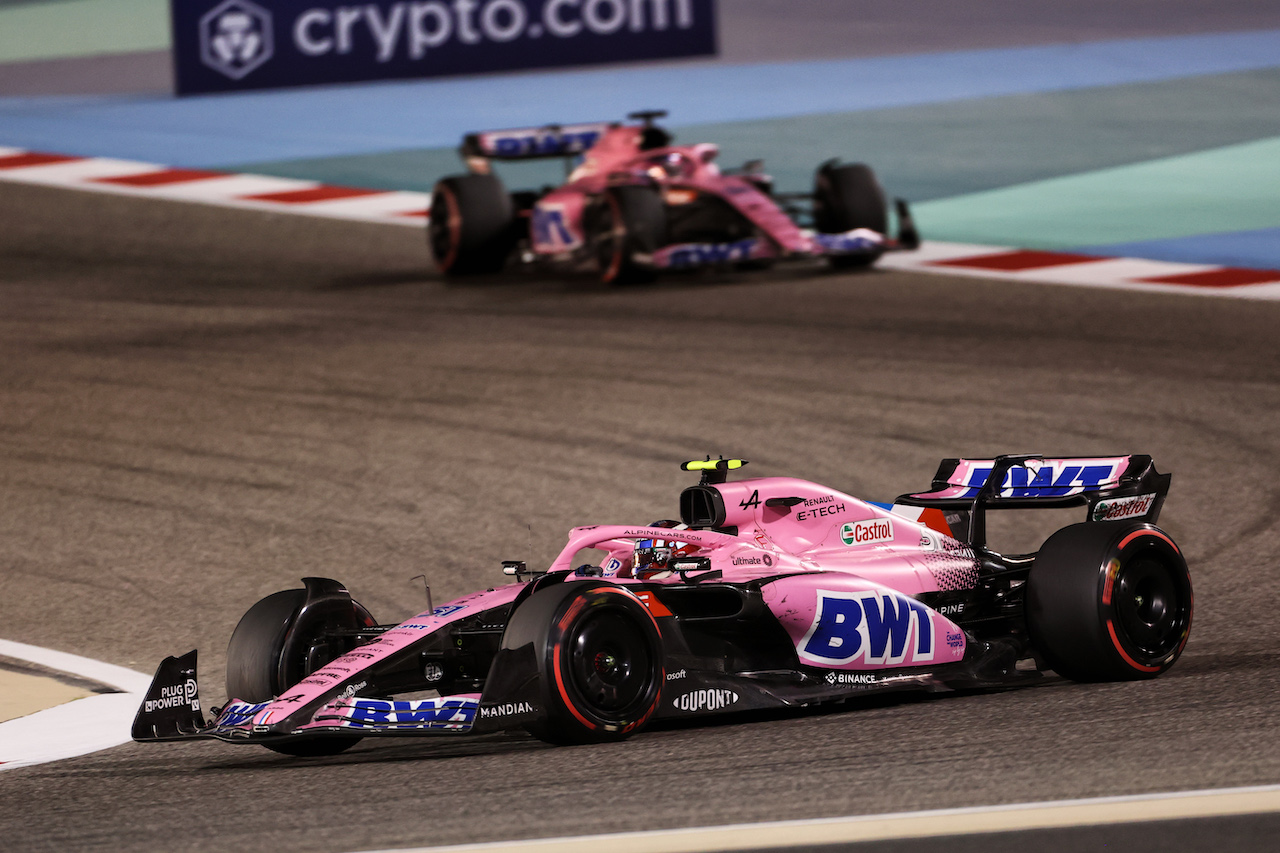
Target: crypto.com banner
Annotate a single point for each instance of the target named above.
(228, 45)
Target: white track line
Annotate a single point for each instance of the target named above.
(902, 825)
(76, 728)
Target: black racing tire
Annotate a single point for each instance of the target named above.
(268, 653)
(1109, 602)
(472, 225)
(627, 222)
(599, 657)
(845, 198)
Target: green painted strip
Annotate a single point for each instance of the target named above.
(82, 28)
(1236, 188)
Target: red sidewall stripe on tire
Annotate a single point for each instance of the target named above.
(1106, 599)
(618, 235)
(1156, 533)
(556, 658)
(1115, 641)
(454, 224)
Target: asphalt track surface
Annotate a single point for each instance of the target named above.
(199, 406)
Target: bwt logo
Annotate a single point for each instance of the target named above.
(869, 627)
(235, 38)
(1047, 479)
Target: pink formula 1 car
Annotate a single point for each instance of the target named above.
(636, 205)
(766, 593)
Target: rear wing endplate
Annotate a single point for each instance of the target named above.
(1115, 488)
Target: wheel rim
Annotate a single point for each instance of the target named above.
(1152, 608)
(610, 665)
(609, 240)
(444, 228)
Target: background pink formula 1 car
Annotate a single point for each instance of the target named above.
(769, 592)
(636, 205)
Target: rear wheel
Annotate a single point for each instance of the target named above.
(272, 649)
(1109, 602)
(845, 198)
(599, 655)
(472, 225)
(628, 225)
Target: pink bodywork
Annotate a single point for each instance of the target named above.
(618, 158)
(830, 554)
(405, 634)
(834, 548)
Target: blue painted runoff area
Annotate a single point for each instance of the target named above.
(1255, 249)
(216, 130)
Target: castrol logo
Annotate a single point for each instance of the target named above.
(867, 532)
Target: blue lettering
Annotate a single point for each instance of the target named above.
(1042, 481)
(370, 711)
(873, 627)
(1092, 475)
(508, 146)
(893, 624)
(706, 254)
(838, 244)
(1018, 481)
(238, 713)
(836, 635)
(1022, 482)
(536, 144)
(423, 714)
(977, 478)
(1062, 485)
(549, 227)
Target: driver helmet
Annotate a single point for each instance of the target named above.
(672, 164)
(653, 556)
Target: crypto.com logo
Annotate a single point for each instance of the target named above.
(235, 38)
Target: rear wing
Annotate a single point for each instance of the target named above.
(534, 143)
(1115, 488)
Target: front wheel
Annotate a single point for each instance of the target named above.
(275, 645)
(1109, 602)
(845, 198)
(599, 654)
(628, 225)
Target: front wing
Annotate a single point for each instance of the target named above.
(172, 711)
